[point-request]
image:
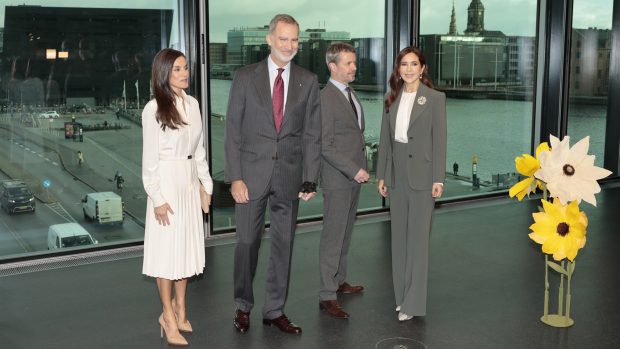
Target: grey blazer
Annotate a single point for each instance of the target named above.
(343, 149)
(426, 163)
(252, 145)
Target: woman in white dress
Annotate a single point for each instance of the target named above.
(174, 167)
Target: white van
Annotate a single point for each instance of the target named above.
(103, 207)
(68, 235)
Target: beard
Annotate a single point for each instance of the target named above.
(283, 58)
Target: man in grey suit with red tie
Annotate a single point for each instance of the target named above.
(343, 171)
(273, 148)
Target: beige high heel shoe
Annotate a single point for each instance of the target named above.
(176, 339)
(183, 327)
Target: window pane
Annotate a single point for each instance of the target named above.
(74, 76)
(482, 55)
(237, 35)
(589, 79)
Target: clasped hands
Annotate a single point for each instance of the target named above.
(239, 191)
(436, 190)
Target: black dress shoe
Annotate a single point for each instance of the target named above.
(242, 321)
(345, 288)
(333, 308)
(284, 324)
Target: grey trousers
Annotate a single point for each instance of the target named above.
(411, 213)
(250, 219)
(339, 209)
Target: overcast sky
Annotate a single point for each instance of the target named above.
(362, 18)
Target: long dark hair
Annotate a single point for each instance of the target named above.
(396, 83)
(167, 114)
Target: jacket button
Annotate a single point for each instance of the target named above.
(410, 155)
(410, 137)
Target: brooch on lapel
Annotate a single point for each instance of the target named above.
(421, 100)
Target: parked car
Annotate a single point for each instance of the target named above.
(103, 207)
(15, 196)
(49, 115)
(68, 235)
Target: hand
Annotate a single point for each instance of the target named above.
(161, 214)
(207, 200)
(383, 190)
(437, 190)
(306, 196)
(239, 192)
(362, 176)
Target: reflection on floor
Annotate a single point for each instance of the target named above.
(485, 291)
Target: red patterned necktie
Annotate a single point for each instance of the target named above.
(278, 99)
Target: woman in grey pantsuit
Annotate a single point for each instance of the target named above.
(412, 164)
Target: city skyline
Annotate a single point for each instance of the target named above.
(502, 15)
(435, 19)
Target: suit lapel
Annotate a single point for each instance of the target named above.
(263, 88)
(344, 100)
(294, 86)
(419, 104)
(394, 112)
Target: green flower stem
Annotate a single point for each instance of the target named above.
(570, 269)
(561, 292)
(546, 307)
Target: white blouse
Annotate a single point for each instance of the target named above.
(403, 116)
(186, 140)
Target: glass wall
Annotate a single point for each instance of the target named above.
(589, 73)
(74, 76)
(237, 38)
(482, 55)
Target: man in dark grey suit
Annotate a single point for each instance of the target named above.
(343, 160)
(273, 145)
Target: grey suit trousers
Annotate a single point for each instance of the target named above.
(411, 213)
(250, 219)
(339, 209)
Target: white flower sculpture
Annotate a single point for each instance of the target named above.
(570, 173)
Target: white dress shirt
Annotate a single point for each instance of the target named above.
(403, 116)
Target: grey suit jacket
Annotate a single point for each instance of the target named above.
(343, 150)
(426, 163)
(252, 145)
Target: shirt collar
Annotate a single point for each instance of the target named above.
(340, 85)
(182, 97)
(273, 66)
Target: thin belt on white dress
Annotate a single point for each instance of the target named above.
(174, 158)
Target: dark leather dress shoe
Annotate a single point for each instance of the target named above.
(242, 321)
(284, 324)
(345, 288)
(333, 308)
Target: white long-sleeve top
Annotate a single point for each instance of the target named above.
(185, 140)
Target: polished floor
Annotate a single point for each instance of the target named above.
(485, 291)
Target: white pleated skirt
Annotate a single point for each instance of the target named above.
(176, 251)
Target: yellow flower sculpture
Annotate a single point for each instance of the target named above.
(527, 165)
(560, 229)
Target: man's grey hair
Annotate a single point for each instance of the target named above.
(333, 51)
(288, 19)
